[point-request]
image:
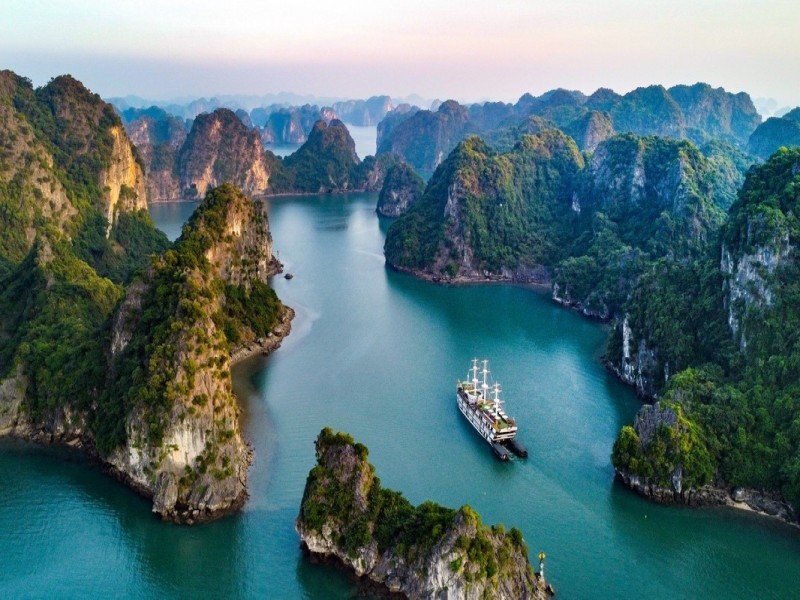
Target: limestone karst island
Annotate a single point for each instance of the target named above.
(496, 301)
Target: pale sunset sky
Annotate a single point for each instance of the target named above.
(467, 49)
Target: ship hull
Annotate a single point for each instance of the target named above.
(474, 417)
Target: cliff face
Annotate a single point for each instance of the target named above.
(639, 200)
(774, 133)
(219, 149)
(423, 552)
(635, 180)
(401, 188)
(721, 333)
(714, 113)
(28, 164)
(637, 365)
(758, 240)
(364, 112)
(182, 443)
(698, 113)
(486, 215)
(426, 138)
(158, 137)
(138, 376)
(591, 130)
(327, 162)
(64, 127)
(123, 180)
(292, 125)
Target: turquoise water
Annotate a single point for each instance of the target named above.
(376, 353)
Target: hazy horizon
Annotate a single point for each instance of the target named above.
(477, 51)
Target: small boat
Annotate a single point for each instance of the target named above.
(484, 411)
(288, 276)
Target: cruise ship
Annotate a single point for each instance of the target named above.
(479, 402)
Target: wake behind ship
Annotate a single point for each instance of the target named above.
(486, 414)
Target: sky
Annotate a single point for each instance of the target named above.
(467, 49)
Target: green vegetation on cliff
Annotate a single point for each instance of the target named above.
(402, 187)
(742, 385)
(390, 518)
(326, 162)
(60, 261)
(698, 113)
(641, 200)
(110, 334)
(346, 512)
(187, 310)
(53, 309)
(485, 212)
(775, 133)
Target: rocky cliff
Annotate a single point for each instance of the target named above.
(363, 112)
(425, 138)
(90, 139)
(758, 239)
(26, 163)
(170, 354)
(489, 215)
(395, 548)
(137, 375)
(663, 458)
(122, 181)
(220, 149)
(292, 125)
(721, 337)
(402, 187)
(327, 162)
(590, 130)
(67, 166)
(159, 137)
(638, 200)
(714, 113)
(774, 133)
(699, 113)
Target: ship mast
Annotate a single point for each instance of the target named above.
(485, 386)
(474, 376)
(496, 400)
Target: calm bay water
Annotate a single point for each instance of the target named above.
(376, 353)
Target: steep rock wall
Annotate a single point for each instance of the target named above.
(122, 181)
(187, 452)
(221, 149)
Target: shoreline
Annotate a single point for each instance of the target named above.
(763, 503)
(81, 442)
(267, 345)
(542, 283)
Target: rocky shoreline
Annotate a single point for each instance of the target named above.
(768, 504)
(537, 277)
(268, 344)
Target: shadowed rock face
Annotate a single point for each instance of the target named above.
(219, 149)
(402, 187)
(415, 552)
(774, 133)
(159, 137)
